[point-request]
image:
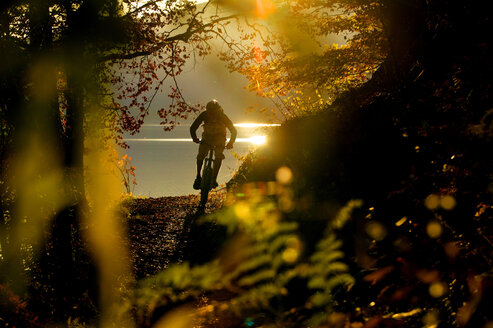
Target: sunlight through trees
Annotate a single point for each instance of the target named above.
(370, 205)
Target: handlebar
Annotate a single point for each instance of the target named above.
(213, 146)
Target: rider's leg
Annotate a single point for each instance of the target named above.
(215, 168)
(202, 154)
(218, 158)
(203, 149)
(198, 179)
(200, 162)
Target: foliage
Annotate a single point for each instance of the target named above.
(64, 62)
(127, 172)
(412, 143)
(263, 274)
(302, 54)
(49, 101)
(422, 241)
(415, 152)
(15, 310)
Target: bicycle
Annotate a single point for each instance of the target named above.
(207, 179)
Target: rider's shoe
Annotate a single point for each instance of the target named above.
(196, 183)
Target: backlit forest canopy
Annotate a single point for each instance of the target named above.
(75, 74)
(302, 54)
(284, 48)
(64, 57)
(135, 49)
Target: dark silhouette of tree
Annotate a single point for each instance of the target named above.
(59, 63)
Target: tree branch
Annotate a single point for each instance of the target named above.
(185, 36)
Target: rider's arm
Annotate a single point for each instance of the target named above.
(195, 125)
(231, 129)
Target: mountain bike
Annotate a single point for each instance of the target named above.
(207, 179)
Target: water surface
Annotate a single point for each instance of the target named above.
(165, 161)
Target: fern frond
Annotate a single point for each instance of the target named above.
(257, 277)
(250, 265)
(341, 279)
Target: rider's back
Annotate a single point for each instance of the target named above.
(214, 123)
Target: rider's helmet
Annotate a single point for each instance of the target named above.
(213, 107)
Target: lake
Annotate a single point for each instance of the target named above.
(165, 161)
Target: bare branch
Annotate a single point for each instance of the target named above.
(185, 36)
(146, 5)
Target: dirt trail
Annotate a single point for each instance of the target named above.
(155, 229)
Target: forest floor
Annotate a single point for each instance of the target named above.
(156, 229)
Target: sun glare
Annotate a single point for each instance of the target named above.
(258, 140)
(265, 8)
(255, 140)
(254, 125)
(251, 139)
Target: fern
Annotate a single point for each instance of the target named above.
(257, 277)
(326, 271)
(254, 279)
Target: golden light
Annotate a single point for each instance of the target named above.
(258, 140)
(401, 222)
(434, 229)
(265, 8)
(179, 318)
(448, 202)
(376, 230)
(255, 125)
(292, 251)
(284, 175)
(431, 319)
(432, 202)
(290, 255)
(242, 210)
(437, 289)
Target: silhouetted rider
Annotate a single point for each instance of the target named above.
(215, 124)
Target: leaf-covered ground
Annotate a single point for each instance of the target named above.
(157, 229)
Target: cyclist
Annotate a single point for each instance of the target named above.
(214, 135)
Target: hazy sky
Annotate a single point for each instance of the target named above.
(209, 79)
